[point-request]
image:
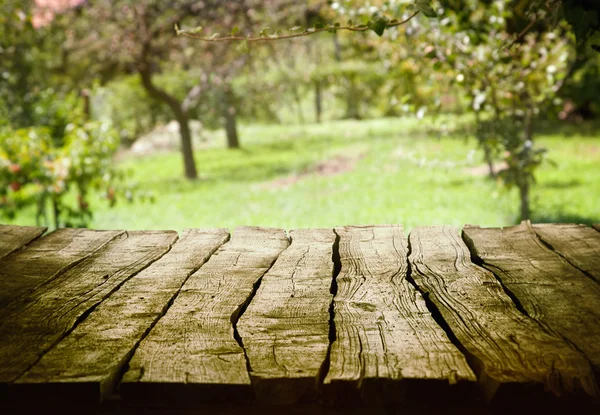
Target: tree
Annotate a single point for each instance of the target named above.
(506, 86)
(137, 37)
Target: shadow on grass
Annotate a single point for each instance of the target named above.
(568, 128)
(460, 182)
(253, 172)
(562, 217)
(558, 184)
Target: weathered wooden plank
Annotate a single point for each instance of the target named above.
(85, 365)
(507, 348)
(550, 290)
(578, 244)
(47, 257)
(32, 325)
(192, 352)
(386, 338)
(285, 329)
(13, 237)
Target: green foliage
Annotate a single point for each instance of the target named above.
(28, 59)
(57, 164)
(584, 18)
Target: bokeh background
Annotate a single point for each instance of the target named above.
(480, 112)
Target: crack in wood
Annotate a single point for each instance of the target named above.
(337, 266)
(477, 260)
(433, 310)
(168, 305)
(235, 317)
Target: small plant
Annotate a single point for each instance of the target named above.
(55, 167)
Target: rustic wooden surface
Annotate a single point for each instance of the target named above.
(505, 347)
(85, 364)
(46, 258)
(356, 319)
(285, 329)
(32, 325)
(548, 288)
(14, 237)
(578, 244)
(385, 337)
(192, 352)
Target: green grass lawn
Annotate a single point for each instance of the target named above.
(393, 171)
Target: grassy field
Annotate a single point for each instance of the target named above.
(349, 172)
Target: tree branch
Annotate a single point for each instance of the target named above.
(145, 71)
(307, 32)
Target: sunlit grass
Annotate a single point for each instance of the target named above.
(398, 173)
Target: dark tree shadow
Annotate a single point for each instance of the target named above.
(563, 217)
(558, 184)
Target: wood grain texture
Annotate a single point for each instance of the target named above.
(578, 244)
(507, 348)
(33, 324)
(386, 337)
(192, 353)
(46, 258)
(550, 290)
(285, 329)
(85, 365)
(14, 237)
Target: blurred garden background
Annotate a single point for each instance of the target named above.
(156, 114)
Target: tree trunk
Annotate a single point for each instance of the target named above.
(87, 108)
(56, 212)
(298, 102)
(352, 101)
(229, 116)
(337, 50)
(523, 182)
(524, 196)
(487, 152)
(187, 149)
(318, 101)
(182, 117)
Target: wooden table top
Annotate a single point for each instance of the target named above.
(356, 317)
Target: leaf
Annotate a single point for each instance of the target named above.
(235, 31)
(214, 36)
(194, 30)
(378, 24)
(295, 29)
(177, 31)
(424, 6)
(350, 22)
(319, 26)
